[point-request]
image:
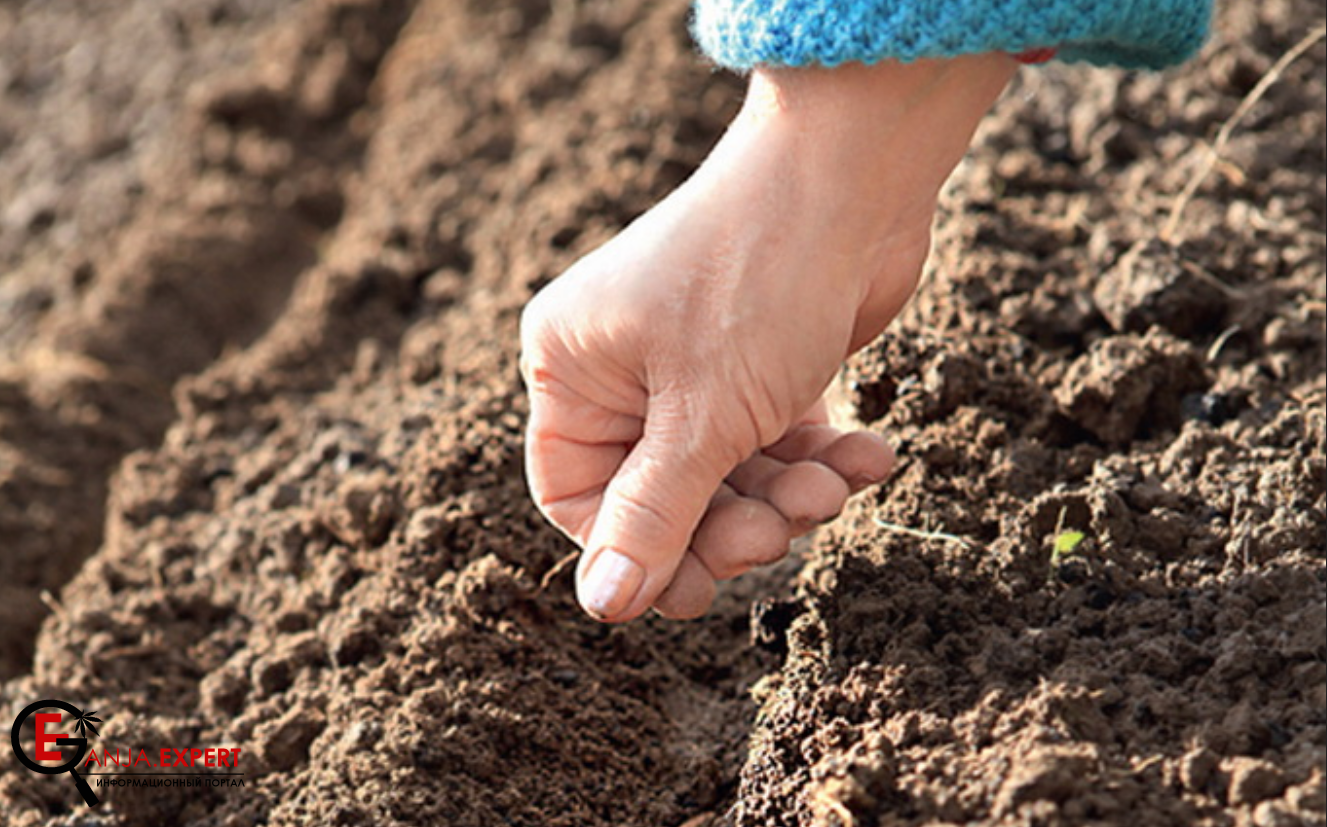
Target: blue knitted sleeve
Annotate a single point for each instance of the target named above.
(741, 34)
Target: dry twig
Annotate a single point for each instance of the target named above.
(1227, 129)
(1215, 350)
(938, 536)
(558, 567)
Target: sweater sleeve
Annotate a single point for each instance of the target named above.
(742, 34)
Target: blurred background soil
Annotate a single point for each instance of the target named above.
(261, 267)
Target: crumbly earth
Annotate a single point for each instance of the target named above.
(260, 449)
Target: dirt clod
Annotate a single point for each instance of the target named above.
(1128, 386)
(1252, 780)
(1153, 285)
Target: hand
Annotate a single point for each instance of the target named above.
(675, 374)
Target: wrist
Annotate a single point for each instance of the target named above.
(882, 137)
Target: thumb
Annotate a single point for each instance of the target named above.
(648, 513)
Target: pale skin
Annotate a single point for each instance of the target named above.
(677, 431)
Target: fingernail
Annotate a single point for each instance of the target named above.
(610, 583)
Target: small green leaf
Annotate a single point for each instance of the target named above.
(1067, 542)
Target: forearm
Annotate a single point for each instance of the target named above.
(848, 164)
(870, 135)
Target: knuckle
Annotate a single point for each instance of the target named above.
(534, 322)
(644, 514)
(709, 433)
(565, 519)
(539, 347)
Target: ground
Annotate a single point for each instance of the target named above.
(260, 438)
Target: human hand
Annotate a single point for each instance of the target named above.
(675, 375)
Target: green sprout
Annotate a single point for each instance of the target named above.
(1065, 544)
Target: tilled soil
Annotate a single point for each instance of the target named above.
(258, 399)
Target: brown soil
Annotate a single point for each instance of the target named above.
(260, 445)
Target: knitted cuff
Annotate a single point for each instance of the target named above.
(742, 34)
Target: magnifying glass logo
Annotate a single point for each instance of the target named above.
(70, 766)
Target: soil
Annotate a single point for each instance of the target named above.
(260, 438)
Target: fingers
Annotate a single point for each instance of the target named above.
(642, 519)
(635, 508)
(736, 535)
(568, 478)
(739, 533)
(861, 458)
(572, 449)
(803, 442)
(690, 594)
(646, 518)
(806, 493)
